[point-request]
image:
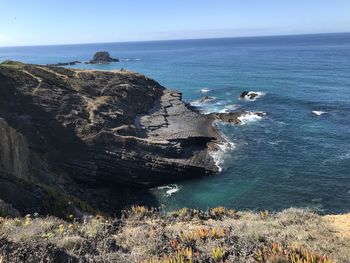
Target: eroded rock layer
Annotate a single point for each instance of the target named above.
(98, 127)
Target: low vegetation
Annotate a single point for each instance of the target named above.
(149, 236)
(10, 63)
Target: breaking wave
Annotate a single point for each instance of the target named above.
(169, 189)
(318, 112)
(251, 117)
(219, 153)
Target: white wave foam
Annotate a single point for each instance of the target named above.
(250, 117)
(344, 156)
(201, 102)
(250, 93)
(196, 103)
(222, 148)
(229, 108)
(318, 112)
(205, 90)
(337, 159)
(218, 107)
(130, 59)
(170, 189)
(212, 109)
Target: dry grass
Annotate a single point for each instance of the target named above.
(341, 223)
(146, 235)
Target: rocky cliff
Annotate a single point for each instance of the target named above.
(63, 126)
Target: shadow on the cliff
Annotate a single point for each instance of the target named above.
(53, 148)
(47, 138)
(114, 200)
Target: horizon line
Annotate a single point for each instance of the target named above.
(184, 39)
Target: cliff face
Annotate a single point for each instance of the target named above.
(98, 127)
(13, 152)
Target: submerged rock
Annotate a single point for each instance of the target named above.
(102, 57)
(206, 99)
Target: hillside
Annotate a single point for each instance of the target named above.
(143, 235)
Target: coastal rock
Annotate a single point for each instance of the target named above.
(102, 57)
(248, 95)
(8, 210)
(62, 127)
(62, 64)
(206, 99)
(235, 117)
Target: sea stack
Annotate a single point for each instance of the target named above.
(102, 57)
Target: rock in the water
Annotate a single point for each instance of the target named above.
(249, 95)
(102, 57)
(235, 117)
(206, 99)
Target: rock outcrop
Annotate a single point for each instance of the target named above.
(235, 117)
(248, 95)
(63, 126)
(206, 99)
(102, 57)
(62, 64)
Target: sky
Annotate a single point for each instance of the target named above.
(46, 22)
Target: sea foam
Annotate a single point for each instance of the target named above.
(205, 90)
(130, 59)
(250, 117)
(318, 112)
(170, 189)
(222, 148)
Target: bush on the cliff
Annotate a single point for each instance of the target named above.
(147, 235)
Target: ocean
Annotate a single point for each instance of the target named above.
(298, 155)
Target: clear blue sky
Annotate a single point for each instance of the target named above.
(35, 22)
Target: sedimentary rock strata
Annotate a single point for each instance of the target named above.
(99, 126)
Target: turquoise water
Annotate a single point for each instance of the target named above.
(290, 157)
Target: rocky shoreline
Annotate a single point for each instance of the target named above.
(77, 143)
(69, 128)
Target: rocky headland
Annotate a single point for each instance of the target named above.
(75, 143)
(68, 130)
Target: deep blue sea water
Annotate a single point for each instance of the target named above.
(292, 157)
